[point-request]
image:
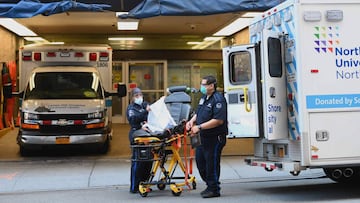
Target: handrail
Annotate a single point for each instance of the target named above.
(246, 96)
(246, 100)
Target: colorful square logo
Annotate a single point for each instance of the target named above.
(326, 38)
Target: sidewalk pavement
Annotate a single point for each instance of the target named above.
(86, 173)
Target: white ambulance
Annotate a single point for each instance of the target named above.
(296, 88)
(65, 96)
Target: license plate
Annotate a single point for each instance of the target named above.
(62, 140)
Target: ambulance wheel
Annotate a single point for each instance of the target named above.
(104, 148)
(23, 151)
(343, 175)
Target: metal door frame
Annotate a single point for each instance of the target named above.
(242, 98)
(125, 79)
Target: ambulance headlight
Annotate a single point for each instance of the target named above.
(99, 114)
(30, 116)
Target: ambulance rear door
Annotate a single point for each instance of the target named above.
(241, 87)
(274, 86)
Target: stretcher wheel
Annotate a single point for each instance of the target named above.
(162, 185)
(144, 194)
(194, 185)
(176, 193)
(143, 190)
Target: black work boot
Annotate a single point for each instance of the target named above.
(209, 194)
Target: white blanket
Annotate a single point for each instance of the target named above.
(159, 117)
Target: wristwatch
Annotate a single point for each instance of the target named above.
(199, 126)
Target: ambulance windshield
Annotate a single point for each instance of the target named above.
(64, 85)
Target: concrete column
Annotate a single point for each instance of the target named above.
(8, 45)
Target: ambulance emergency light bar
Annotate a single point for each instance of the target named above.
(331, 16)
(38, 56)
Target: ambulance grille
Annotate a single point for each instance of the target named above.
(70, 129)
(63, 116)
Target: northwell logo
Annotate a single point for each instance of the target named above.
(326, 38)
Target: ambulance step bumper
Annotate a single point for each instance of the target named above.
(73, 139)
(293, 167)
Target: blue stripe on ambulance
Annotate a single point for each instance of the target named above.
(289, 27)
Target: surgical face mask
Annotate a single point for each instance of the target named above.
(203, 89)
(138, 100)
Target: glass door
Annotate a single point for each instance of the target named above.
(118, 104)
(150, 76)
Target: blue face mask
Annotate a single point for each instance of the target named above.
(139, 100)
(203, 89)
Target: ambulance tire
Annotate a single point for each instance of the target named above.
(337, 175)
(23, 151)
(104, 148)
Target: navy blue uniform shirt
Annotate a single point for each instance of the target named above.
(214, 107)
(136, 114)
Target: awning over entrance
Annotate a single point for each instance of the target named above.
(30, 8)
(151, 8)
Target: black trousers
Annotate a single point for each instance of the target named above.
(140, 169)
(208, 156)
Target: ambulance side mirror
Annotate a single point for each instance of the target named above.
(121, 91)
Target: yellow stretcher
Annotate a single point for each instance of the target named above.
(164, 149)
(165, 154)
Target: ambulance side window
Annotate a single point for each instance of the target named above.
(240, 68)
(275, 61)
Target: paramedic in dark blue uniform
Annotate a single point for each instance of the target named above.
(210, 121)
(137, 113)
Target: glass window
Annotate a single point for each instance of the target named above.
(189, 73)
(240, 68)
(275, 62)
(149, 77)
(64, 85)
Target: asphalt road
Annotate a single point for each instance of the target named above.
(300, 190)
(95, 179)
(81, 176)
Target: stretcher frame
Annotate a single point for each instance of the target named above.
(161, 150)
